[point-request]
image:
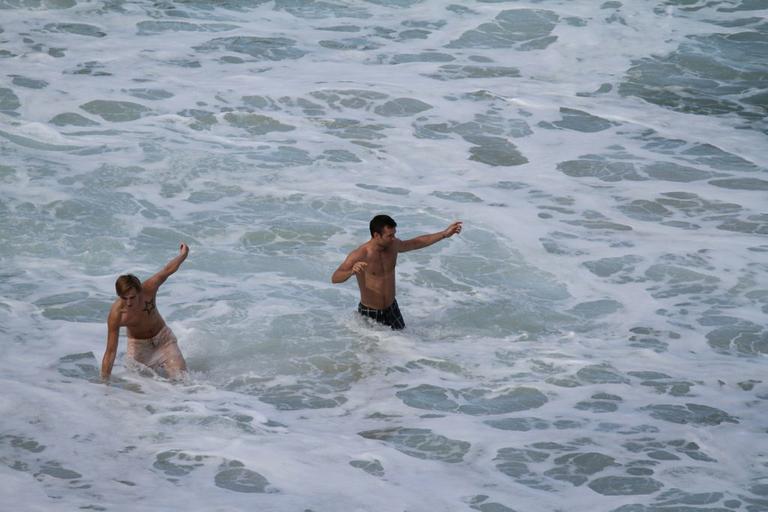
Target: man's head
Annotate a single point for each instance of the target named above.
(128, 288)
(383, 229)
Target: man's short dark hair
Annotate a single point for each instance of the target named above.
(379, 222)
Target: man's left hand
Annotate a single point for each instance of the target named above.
(453, 229)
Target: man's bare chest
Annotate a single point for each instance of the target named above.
(381, 264)
(144, 311)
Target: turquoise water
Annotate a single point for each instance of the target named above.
(595, 339)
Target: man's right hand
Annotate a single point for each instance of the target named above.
(359, 267)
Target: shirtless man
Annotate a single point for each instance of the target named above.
(150, 341)
(373, 263)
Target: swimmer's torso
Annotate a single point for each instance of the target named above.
(377, 283)
(142, 320)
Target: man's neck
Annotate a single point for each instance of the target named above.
(376, 247)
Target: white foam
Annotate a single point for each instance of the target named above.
(284, 375)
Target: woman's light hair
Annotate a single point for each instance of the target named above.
(127, 282)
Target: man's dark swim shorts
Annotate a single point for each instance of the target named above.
(390, 316)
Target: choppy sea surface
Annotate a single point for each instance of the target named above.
(595, 339)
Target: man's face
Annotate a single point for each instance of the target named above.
(386, 237)
(130, 299)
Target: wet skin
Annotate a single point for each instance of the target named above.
(373, 263)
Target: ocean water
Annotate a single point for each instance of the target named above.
(595, 339)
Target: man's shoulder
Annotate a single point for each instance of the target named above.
(150, 285)
(362, 250)
(115, 311)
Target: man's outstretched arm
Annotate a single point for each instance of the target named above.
(423, 241)
(154, 282)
